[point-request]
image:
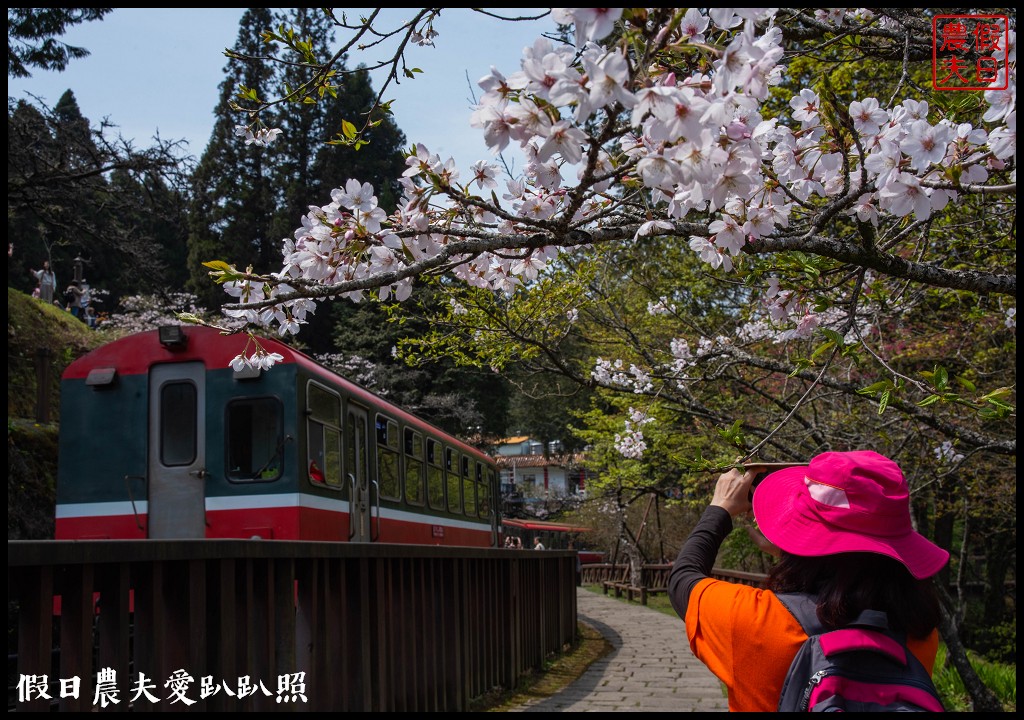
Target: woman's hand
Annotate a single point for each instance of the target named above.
(732, 491)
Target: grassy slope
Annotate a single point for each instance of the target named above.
(39, 337)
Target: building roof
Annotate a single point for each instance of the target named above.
(528, 461)
(514, 440)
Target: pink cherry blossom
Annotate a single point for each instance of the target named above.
(904, 195)
(693, 26)
(867, 116)
(805, 107)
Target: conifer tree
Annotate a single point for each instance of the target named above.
(32, 37)
(73, 191)
(233, 185)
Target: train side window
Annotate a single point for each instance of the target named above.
(323, 430)
(454, 482)
(435, 475)
(413, 467)
(485, 495)
(468, 488)
(178, 423)
(387, 457)
(255, 439)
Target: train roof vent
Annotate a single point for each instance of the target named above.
(101, 377)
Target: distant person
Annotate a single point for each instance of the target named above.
(47, 282)
(85, 300)
(537, 544)
(73, 299)
(90, 316)
(842, 530)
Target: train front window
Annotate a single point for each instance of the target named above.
(178, 423)
(255, 439)
(323, 432)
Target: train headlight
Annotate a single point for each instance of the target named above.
(172, 335)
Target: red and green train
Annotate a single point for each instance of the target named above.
(161, 438)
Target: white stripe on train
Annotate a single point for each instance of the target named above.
(257, 502)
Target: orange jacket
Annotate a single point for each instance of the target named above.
(748, 639)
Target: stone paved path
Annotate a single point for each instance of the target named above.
(650, 670)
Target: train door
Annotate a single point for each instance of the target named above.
(364, 496)
(177, 451)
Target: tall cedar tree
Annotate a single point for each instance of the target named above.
(234, 185)
(75, 192)
(32, 38)
(309, 167)
(472, 403)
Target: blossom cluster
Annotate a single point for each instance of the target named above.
(262, 137)
(683, 357)
(611, 373)
(697, 148)
(697, 143)
(947, 453)
(631, 443)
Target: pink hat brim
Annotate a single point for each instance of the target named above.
(781, 520)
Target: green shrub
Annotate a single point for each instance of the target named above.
(1000, 678)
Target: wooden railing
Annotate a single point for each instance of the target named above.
(307, 626)
(653, 579)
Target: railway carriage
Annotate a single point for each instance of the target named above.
(161, 438)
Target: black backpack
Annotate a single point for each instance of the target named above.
(863, 667)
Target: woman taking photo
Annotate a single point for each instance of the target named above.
(841, 528)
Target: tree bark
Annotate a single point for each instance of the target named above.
(982, 699)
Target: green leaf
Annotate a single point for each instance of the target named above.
(877, 387)
(732, 434)
(800, 364)
(966, 384)
(832, 335)
(883, 402)
(823, 348)
(995, 394)
(930, 400)
(348, 129)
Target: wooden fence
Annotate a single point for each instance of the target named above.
(243, 625)
(653, 579)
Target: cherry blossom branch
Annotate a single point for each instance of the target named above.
(892, 265)
(909, 409)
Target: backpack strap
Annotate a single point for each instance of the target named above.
(804, 607)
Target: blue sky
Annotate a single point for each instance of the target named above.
(157, 70)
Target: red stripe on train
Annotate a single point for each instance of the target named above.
(281, 523)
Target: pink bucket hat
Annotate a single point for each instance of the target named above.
(844, 502)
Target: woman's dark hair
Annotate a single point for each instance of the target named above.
(848, 583)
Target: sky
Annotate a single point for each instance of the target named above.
(157, 70)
